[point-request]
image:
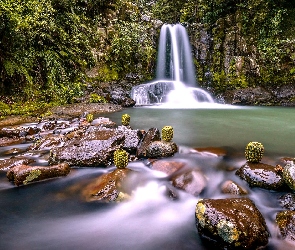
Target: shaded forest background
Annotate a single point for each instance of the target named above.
(51, 50)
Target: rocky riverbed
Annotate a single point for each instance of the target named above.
(65, 141)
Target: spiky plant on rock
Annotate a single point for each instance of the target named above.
(121, 158)
(89, 117)
(254, 152)
(125, 119)
(167, 133)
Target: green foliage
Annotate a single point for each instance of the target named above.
(45, 48)
(95, 98)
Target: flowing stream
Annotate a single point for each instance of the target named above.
(52, 215)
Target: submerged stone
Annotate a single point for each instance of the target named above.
(167, 167)
(192, 181)
(286, 223)
(230, 187)
(289, 175)
(261, 175)
(108, 187)
(233, 223)
(23, 174)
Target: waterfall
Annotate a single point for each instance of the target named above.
(175, 81)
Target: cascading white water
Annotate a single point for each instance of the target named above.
(175, 81)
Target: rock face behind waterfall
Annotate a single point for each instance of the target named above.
(233, 223)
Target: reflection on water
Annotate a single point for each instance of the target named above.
(53, 215)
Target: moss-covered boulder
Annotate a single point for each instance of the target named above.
(261, 175)
(233, 223)
(286, 223)
(23, 174)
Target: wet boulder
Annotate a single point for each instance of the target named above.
(12, 162)
(167, 167)
(103, 122)
(108, 187)
(9, 141)
(158, 149)
(286, 223)
(153, 134)
(96, 148)
(230, 187)
(132, 138)
(191, 181)
(233, 223)
(289, 175)
(288, 201)
(24, 174)
(261, 175)
(12, 132)
(47, 142)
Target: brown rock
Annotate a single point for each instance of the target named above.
(230, 187)
(108, 187)
(286, 224)
(261, 175)
(212, 150)
(6, 141)
(23, 174)
(12, 162)
(233, 223)
(167, 167)
(192, 181)
(153, 134)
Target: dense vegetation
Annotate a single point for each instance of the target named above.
(46, 47)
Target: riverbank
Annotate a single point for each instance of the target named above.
(65, 112)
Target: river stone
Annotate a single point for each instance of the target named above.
(191, 181)
(96, 148)
(12, 162)
(132, 138)
(289, 175)
(7, 141)
(47, 142)
(261, 175)
(153, 134)
(167, 167)
(18, 131)
(233, 223)
(161, 149)
(288, 201)
(286, 223)
(23, 174)
(108, 187)
(230, 187)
